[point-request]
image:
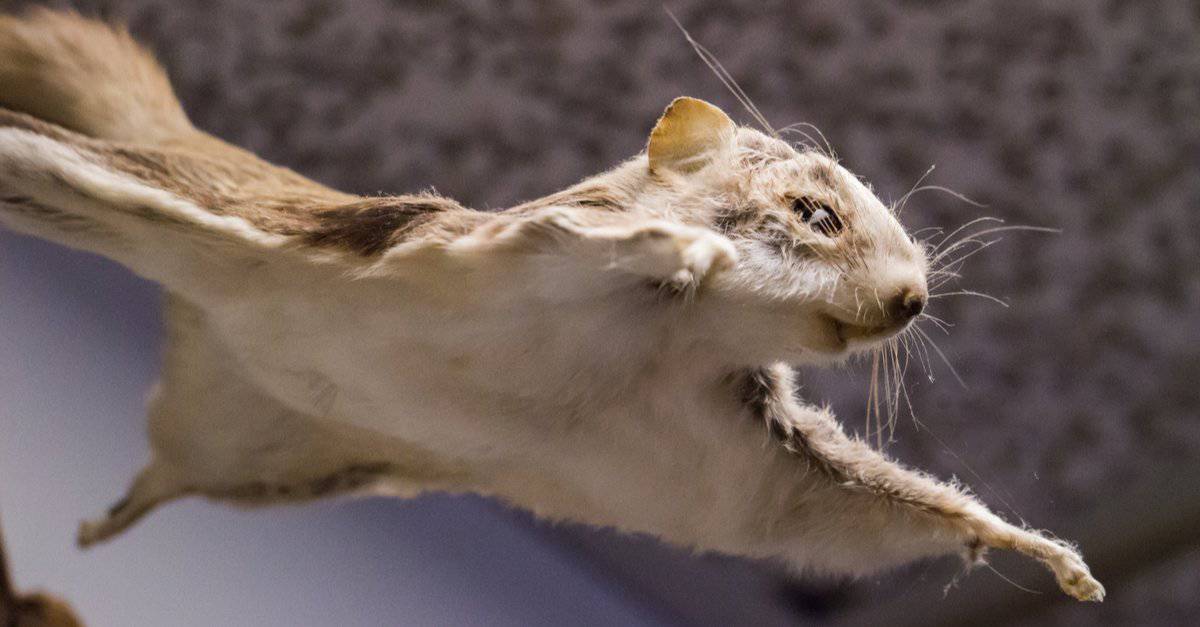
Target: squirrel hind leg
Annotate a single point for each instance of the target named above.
(154, 485)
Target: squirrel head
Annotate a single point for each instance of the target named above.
(827, 264)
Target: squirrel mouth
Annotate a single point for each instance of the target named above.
(849, 332)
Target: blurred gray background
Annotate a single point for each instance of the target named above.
(1080, 411)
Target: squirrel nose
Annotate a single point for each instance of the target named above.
(909, 304)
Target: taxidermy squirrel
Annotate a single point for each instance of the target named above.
(613, 354)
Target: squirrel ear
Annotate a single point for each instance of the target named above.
(688, 134)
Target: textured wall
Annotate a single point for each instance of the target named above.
(1080, 413)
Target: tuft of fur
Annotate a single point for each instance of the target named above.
(86, 76)
(611, 354)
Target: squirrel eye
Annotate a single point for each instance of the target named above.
(818, 215)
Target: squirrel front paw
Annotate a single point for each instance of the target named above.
(1074, 577)
(677, 257)
(1070, 571)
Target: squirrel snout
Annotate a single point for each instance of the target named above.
(908, 304)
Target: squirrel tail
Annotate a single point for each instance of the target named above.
(87, 76)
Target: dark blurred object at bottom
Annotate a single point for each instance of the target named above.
(31, 610)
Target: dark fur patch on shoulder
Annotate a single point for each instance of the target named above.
(755, 390)
(369, 227)
(759, 391)
(229, 182)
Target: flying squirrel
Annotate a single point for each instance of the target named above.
(614, 354)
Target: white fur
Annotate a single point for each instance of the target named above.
(547, 375)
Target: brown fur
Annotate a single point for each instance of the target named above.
(276, 200)
(45, 59)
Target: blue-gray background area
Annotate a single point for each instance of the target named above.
(1079, 413)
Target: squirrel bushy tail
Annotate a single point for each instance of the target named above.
(87, 76)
